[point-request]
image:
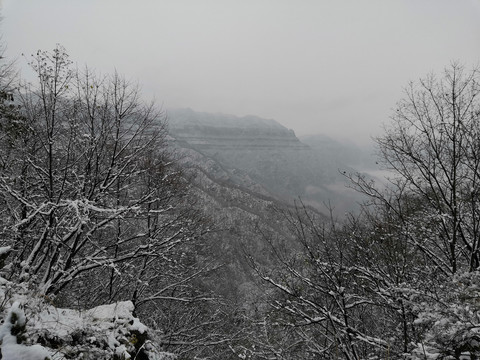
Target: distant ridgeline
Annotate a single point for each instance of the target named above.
(270, 155)
(220, 131)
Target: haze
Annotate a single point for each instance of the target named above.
(316, 66)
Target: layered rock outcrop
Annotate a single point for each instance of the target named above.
(264, 156)
(226, 132)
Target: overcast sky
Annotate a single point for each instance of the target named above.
(317, 66)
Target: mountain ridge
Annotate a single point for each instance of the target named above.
(278, 163)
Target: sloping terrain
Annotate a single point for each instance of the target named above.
(268, 159)
(245, 173)
(242, 213)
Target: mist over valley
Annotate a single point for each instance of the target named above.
(239, 180)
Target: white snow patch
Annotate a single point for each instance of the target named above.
(5, 249)
(10, 349)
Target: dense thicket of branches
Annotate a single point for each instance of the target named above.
(433, 146)
(85, 178)
(400, 279)
(93, 205)
(93, 209)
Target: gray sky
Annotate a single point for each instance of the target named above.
(317, 66)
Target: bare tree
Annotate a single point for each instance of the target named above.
(433, 147)
(95, 208)
(431, 209)
(379, 283)
(74, 185)
(323, 302)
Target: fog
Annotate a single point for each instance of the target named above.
(316, 66)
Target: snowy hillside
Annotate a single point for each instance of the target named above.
(271, 156)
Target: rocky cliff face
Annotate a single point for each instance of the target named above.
(246, 173)
(226, 132)
(265, 157)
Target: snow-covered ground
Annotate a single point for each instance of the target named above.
(34, 329)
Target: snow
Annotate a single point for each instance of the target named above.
(5, 250)
(138, 326)
(110, 324)
(97, 333)
(121, 352)
(120, 310)
(10, 349)
(22, 352)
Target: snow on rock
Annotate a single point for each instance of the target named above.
(22, 352)
(10, 332)
(104, 332)
(5, 250)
